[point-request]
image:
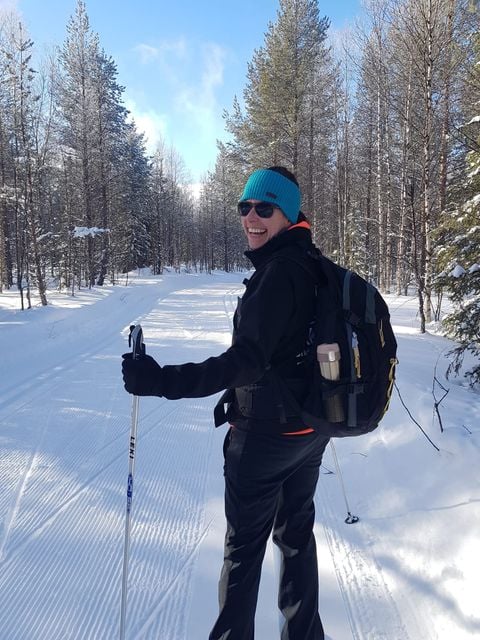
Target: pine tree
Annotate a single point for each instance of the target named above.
(105, 163)
(110, 130)
(289, 114)
(76, 98)
(130, 237)
(27, 163)
(222, 242)
(158, 187)
(459, 241)
(7, 245)
(279, 84)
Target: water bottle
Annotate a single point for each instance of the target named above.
(328, 356)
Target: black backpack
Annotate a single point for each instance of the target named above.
(352, 314)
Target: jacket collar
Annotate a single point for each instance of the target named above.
(297, 234)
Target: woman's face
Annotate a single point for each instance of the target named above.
(260, 230)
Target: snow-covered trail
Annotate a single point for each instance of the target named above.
(65, 420)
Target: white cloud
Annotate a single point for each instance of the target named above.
(163, 51)
(193, 89)
(150, 122)
(188, 77)
(214, 56)
(200, 101)
(169, 57)
(147, 53)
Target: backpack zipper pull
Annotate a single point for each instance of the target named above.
(356, 355)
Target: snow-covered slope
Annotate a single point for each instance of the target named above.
(408, 570)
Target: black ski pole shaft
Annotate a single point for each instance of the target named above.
(135, 340)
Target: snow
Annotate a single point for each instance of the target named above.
(475, 171)
(82, 232)
(474, 268)
(457, 271)
(473, 202)
(408, 570)
(474, 119)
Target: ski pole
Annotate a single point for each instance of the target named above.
(135, 340)
(349, 519)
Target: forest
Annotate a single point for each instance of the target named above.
(381, 128)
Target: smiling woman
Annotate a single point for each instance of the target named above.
(272, 457)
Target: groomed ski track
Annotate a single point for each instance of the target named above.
(63, 477)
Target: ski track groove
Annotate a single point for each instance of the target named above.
(134, 299)
(79, 491)
(187, 563)
(360, 578)
(59, 573)
(176, 540)
(12, 511)
(180, 541)
(168, 518)
(33, 456)
(12, 514)
(31, 388)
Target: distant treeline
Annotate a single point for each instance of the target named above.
(382, 131)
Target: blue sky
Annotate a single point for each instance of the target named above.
(181, 61)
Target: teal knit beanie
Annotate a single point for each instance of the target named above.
(270, 186)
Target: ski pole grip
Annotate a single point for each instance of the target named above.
(135, 340)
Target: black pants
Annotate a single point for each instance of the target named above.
(270, 483)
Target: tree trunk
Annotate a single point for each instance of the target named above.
(403, 269)
(388, 207)
(427, 134)
(338, 185)
(446, 112)
(380, 210)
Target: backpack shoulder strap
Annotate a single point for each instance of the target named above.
(314, 265)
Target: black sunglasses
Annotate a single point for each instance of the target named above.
(262, 209)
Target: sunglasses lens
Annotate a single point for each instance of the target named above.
(244, 208)
(262, 209)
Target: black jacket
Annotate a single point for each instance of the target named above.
(271, 326)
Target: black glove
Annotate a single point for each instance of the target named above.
(142, 377)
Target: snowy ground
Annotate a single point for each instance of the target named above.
(408, 570)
